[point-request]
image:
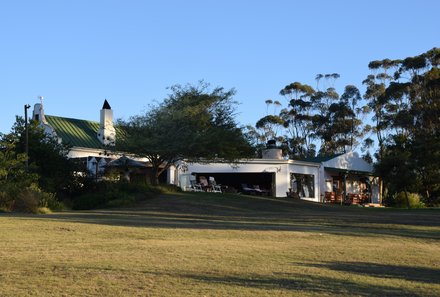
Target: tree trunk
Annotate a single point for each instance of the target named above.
(154, 177)
(407, 199)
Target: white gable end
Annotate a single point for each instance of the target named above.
(349, 161)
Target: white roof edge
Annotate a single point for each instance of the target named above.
(258, 161)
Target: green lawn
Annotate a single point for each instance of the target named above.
(222, 245)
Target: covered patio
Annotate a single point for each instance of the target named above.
(348, 187)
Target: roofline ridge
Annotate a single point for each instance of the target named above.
(71, 118)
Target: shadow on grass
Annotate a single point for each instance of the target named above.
(240, 212)
(408, 273)
(301, 283)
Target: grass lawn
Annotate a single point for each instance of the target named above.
(196, 244)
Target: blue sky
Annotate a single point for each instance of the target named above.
(78, 53)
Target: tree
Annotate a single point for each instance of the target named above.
(298, 119)
(47, 157)
(269, 126)
(192, 123)
(397, 167)
(407, 107)
(316, 119)
(12, 165)
(14, 177)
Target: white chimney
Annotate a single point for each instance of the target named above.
(106, 133)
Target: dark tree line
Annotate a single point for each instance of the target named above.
(404, 96)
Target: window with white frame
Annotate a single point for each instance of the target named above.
(303, 184)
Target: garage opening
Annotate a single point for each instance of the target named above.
(234, 182)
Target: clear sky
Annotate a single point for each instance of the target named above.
(78, 53)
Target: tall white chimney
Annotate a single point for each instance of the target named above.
(106, 133)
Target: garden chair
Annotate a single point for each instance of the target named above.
(214, 187)
(195, 186)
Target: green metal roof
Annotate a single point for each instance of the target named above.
(321, 159)
(75, 132)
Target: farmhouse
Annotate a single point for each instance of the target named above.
(91, 143)
(322, 179)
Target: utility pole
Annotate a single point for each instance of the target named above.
(26, 143)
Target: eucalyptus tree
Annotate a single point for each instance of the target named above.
(319, 118)
(268, 102)
(351, 100)
(268, 127)
(325, 105)
(425, 108)
(406, 107)
(298, 119)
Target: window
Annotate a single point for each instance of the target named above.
(303, 184)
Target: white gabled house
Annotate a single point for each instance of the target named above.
(91, 142)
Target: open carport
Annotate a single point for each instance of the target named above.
(232, 182)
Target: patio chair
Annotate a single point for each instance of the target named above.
(329, 197)
(215, 188)
(195, 186)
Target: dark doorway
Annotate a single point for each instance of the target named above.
(265, 180)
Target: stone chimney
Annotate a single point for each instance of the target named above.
(106, 133)
(272, 151)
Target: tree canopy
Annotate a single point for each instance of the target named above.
(314, 121)
(193, 123)
(47, 157)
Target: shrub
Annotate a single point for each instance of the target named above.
(44, 210)
(122, 202)
(118, 194)
(89, 201)
(131, 188)
(50, 201)
(27, 201)
(161, 189)
(6, 201)
(414, 200)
